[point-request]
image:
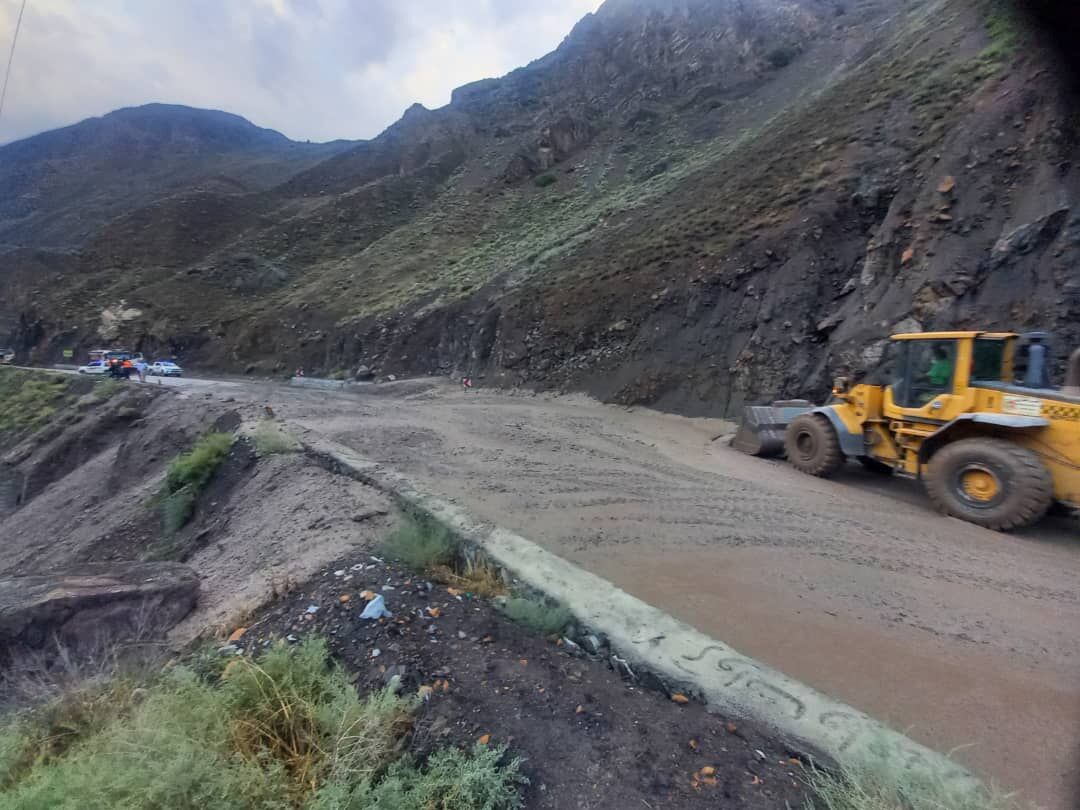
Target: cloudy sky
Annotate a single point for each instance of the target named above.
(313, 69)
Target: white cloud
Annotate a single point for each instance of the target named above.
(315, 69)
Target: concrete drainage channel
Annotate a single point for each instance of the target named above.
(657, 647)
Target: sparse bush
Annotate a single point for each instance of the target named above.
(176, 510)
(270, 439)
(450, 780)
(478, 578)
(293, 707)
(538, 615)
(545, 180)
(886, 785)
(195, 467)
(46, 732)
(421, 543)
(284, 731)
(187, 476)
(28, 400)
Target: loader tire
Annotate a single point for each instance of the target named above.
(992, 483)
(812, 445)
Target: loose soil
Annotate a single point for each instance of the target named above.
(591, 739)
(963, 638)
(854, 585)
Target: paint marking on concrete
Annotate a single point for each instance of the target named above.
(681, 657)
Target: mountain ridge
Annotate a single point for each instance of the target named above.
(686, 204)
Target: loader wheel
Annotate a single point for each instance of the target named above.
(990, 482)
(812, 445)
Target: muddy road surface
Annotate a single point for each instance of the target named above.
(964, 638)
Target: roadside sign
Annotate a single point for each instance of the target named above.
(69, 353)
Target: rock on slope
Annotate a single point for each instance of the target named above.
(689, 203)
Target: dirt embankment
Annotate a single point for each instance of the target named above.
(84, 486)
(283, 548)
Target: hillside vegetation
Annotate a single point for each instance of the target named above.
(689, 204)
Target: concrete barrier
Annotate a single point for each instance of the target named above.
(680, 657)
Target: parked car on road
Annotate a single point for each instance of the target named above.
(165, 368)
(94, 367)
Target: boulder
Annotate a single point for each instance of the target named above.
(96, 604)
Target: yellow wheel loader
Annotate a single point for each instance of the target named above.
(972, 414)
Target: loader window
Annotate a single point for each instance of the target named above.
(926, 372)
(988, 364)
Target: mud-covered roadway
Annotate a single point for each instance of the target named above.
(964, 638)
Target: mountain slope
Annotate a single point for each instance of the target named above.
(689, 203)
(58, 187)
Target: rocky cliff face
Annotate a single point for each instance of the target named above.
(690, 203)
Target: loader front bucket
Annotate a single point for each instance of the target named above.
(761, 432)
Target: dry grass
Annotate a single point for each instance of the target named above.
(884, 785)
(270, 438)
(284, 731)
(480, 578)
(421, 543)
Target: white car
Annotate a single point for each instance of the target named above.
(93, 367)
(165, 368)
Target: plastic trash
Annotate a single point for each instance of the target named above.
(376, 609)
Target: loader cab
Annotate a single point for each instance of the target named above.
(932, 373)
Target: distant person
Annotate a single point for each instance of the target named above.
(141, 368)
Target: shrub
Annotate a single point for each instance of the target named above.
(478, 578)
(545, 180)
(421, 543)
(295, 708)
(451, 780)
(885, 785)
(28, 400)
(187, 477)
(284, 731)
(176, 510)
(195, 467)
(538, 615)
(271, 439)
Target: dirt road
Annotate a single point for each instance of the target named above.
(957, 635)
(960, 636)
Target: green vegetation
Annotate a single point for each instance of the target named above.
(271, 438)
(1003, 26)
(284, 731)
(545, 180)
(426, 545)
(885, 785)
(538, 615)
(188, 476)
(28, 399)
(421, 543)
